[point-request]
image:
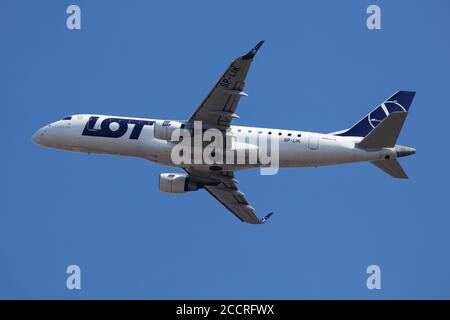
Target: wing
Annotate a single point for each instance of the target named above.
(218, 108)
(223, 186)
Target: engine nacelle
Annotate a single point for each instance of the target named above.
(163, 129)
(176, 183)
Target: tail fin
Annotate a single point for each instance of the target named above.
(399, 103)
(381, 128)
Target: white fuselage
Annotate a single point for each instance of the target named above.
(296, 148)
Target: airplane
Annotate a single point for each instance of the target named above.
(372, 139)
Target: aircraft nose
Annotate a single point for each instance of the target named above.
(36, 137)
(39, 136)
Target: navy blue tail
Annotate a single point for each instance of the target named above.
(399, 102)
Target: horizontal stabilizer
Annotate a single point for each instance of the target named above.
(392, 167)
(386, 133)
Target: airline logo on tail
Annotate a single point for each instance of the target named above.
(399, 102)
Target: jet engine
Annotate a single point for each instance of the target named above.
(163, 129)
(176, 183)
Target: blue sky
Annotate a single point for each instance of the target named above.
(320, 69)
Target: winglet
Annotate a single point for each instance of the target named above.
(266, 217)
(253, 52)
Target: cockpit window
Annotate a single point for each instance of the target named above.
(67, 118)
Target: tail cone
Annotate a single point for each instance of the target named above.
(404, 151)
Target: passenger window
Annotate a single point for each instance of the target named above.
(270, 132)
(279, 133)
(289, 134)
(299, 135)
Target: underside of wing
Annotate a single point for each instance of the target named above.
(218, 108)
(224, 189)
